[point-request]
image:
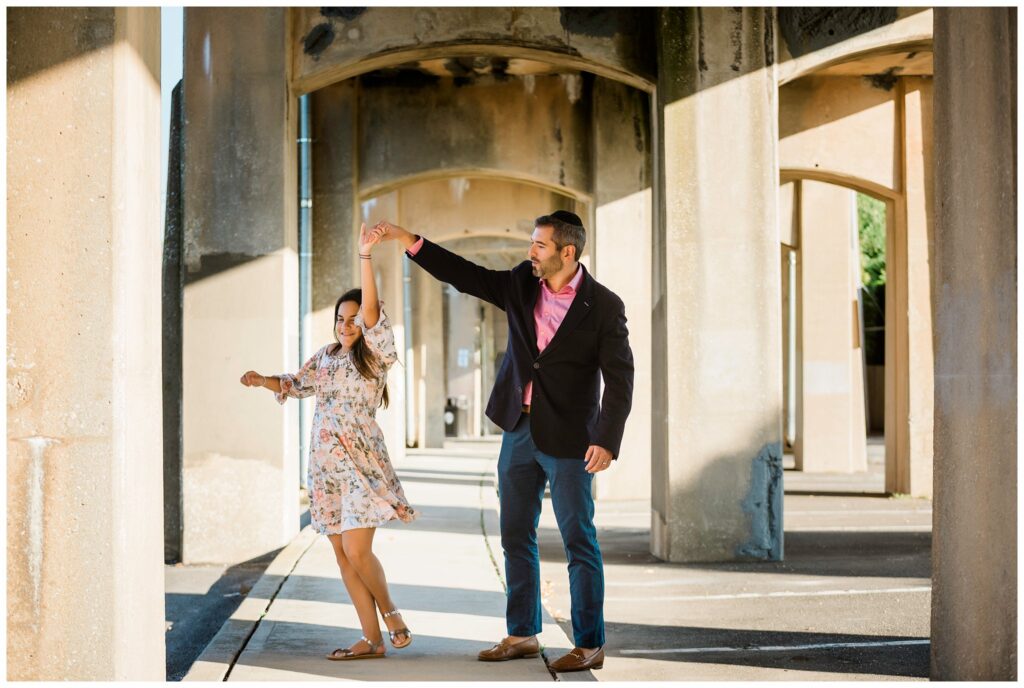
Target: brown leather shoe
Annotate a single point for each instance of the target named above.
(505, 650)
(577, 660)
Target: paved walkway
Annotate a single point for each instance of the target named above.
(851, 601)
(442, 574)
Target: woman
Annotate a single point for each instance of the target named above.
(352, 485)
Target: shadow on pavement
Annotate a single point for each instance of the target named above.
(910, 660)
(827, 553)
(195, 618)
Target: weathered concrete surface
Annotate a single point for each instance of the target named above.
(334, 150)
(171, 309)
(331, 44)
(621, 237)
(84, 489)
(532, 128)
(716, 320)
(831, 429)
(850, 40)
(974, 612)
(241, 285)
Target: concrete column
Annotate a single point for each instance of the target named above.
(621, 241)
(908, 293)
(335, 268)
(831, 431)
(974, 542)
(84, 422)
(717, 363)
(463, 321)
(428, 345)
(387, 262)
(241, 285)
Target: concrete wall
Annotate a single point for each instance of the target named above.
(974, 542)
(716, 365)
(331, 44)
(84, 469)
(842, 125)
(241, 285)
(621, 237)
(535, 129)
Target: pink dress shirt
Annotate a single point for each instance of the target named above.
(548, 312)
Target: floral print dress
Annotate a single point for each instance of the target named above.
(350, 480)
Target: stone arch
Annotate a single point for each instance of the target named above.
(331, 45)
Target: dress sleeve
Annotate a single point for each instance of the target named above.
(301, 384)
(380, 338)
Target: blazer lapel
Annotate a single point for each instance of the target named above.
(531, 327)
(577, 311)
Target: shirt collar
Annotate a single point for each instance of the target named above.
(571, 287)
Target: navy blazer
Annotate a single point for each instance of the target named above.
(565, 414)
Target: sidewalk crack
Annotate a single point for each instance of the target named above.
(255, 626)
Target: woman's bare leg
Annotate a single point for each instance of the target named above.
(358, 546)
(360, 595)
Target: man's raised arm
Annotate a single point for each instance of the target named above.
(492, 286)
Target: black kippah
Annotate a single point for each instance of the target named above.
(567, 217)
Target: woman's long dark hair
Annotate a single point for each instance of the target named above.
(363, 358)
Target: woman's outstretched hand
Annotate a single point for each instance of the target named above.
(367, 240)
(253, 379)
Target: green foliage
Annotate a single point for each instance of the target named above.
(871, 224)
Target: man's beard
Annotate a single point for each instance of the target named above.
(548, 267)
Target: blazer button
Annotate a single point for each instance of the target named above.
(536, 366)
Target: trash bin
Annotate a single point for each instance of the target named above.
(451, 419)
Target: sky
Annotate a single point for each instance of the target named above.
(171, 56)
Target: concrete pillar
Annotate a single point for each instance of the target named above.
(428, 345)
(974, 542)
(463, 322)
(831, 431)
(621, 241)
(335, 263)
(84, 449)
(241, 284)
(716, 367)
(908, 308)
(388, 264)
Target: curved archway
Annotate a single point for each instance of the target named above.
(334, 44)
(501, 175)
(897, 354)
(312, 82)
(849, 181)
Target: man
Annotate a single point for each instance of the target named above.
(565, 331)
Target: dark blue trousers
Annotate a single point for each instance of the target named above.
(522, 472)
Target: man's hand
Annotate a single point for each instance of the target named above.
(598, 459)
(388, 232)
